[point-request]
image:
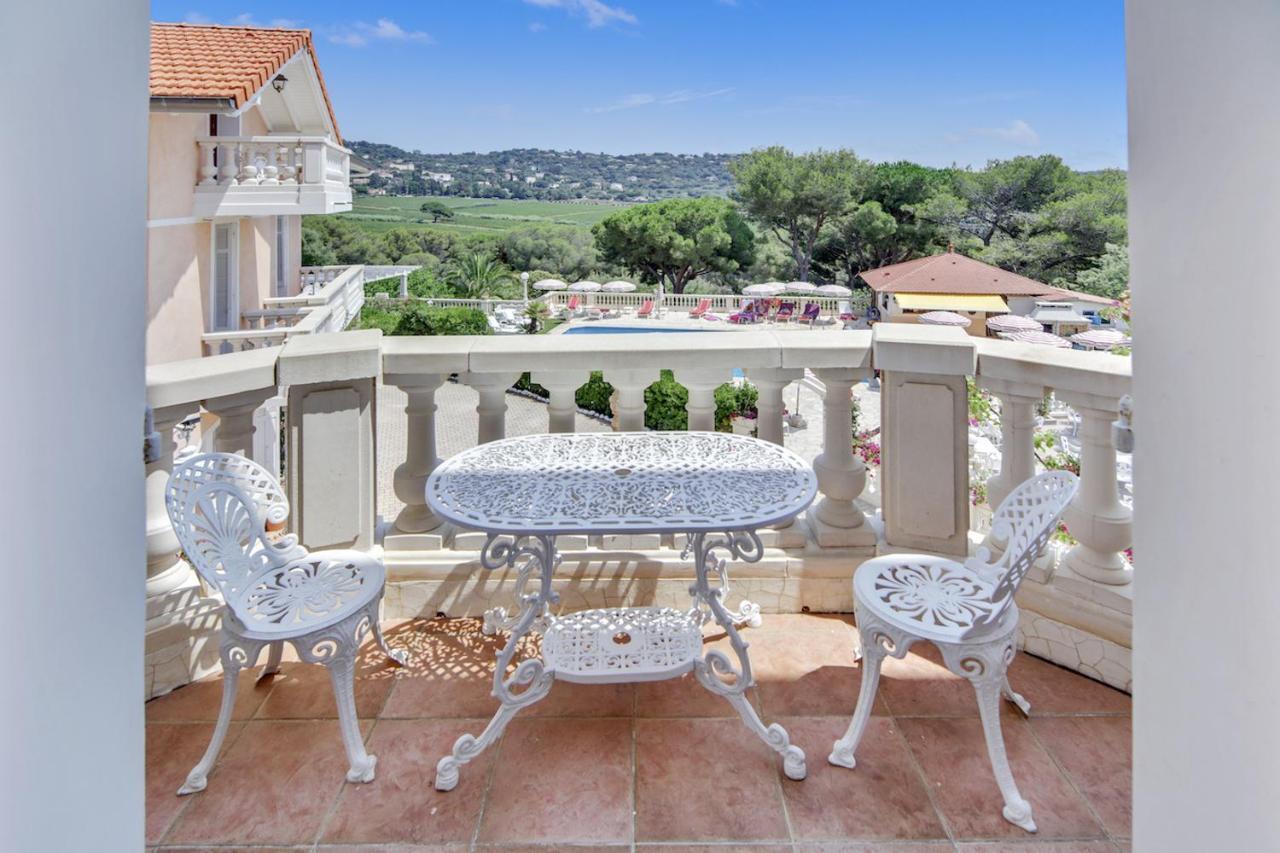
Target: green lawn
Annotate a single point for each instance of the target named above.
(474, 215)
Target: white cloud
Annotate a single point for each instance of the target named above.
(362, 33)
(644, 99)
(197, 18)
(1017, 131)
(537, 27)
(597, 13)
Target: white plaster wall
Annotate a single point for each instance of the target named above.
(178, 270)
(71, 510)
(1204, 129)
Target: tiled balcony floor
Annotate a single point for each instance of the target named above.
(662, 766)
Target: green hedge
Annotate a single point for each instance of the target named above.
(423, 320)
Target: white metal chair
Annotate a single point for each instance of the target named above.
(966, 610)
(324, 602)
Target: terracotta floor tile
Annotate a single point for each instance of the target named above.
(221, 849)
(714, 848)
(402, 805)
(875, 847)
(1052, 689)
(200, 700)
(953, 755)
(450, 673)
(304, 691)
(1097, 754)
(882, 798)
(274, 785)
(549, 848)
(704, 780)
(805, 666)
(568, 699)
(383, 848)
(684, 697)
(921, 685)
(172, 750)
(561, 780)
(1039, 847)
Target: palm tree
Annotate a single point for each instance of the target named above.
(477, 276)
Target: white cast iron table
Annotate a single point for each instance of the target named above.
(715, 488)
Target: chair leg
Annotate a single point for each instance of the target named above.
(400, 656)
(274, 652)
(342, 673)
(234, 656)
(1016, 698)
(1016, 810)
(873, 655)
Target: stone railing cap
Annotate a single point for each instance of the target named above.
(605, 352)
(330, 357)
(912, 348)
(189, 381)
(410, 355)
(1098, 376)
(850, 349)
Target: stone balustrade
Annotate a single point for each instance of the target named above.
(685, 302)
(330, 298)
(270, 175)
(1076, 604)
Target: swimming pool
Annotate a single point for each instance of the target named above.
(629, 330)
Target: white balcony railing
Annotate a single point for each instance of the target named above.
(329, 300)
(1076, 603)
(270, 175)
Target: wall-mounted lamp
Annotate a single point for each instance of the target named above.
(278, 83)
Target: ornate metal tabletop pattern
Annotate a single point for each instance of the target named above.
(622, 483)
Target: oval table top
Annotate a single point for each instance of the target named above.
(621, 482)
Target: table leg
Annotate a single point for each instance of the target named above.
(748, 612)
(715, 671)
(531, 680)
(496, 619)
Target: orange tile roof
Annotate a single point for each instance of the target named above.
(951, 272)
(233, 63)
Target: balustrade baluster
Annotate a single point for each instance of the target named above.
(769, 383)
(208, 166)
(629, 385)
(563, 405)
(1100, 523)
(1017, 429)
(841, 475)
(228, 164)
(491, 408)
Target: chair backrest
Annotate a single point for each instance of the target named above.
(704, 304)
(1022, 525)
(786, 307)
(188, 492)
(811, 309)
(646, 306)
(572, 303)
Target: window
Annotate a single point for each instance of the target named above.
(282, 256)
(224, 297)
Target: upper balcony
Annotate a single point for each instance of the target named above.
(275, 175)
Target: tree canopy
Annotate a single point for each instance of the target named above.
(436, 209)
(795, 195)
(673, 242)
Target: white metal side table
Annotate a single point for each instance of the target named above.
(716, 488)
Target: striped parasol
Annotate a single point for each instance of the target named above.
(834, 290)
(550, 284)
(768, 288)
(618, 287)
(944, 318)
(1012, 323)
(799, 287)
(1038, 337)
(585, 287)
(1100, 339)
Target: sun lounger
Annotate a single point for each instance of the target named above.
(646, 309)
(810, 315)
(704, 305)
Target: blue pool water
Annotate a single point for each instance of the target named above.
(628, 330)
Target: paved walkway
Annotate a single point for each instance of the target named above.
(456, 426)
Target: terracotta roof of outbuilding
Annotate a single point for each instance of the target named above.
(951, 272)
(232, 63)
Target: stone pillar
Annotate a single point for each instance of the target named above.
(420, 453)
(234, 431)
(1017, 428)
(770, 382)
(165, 570)
(331, 382)
(835, 520)
(924, 428)
(404, 285)
(628, 404)
(563, 386)
(491, 408)
(1103, 525)
(701, 384)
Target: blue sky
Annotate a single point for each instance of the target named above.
(935, 81)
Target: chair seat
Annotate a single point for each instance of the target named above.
(307, 594)
(929, 597)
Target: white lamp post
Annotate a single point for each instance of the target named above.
(524, 282)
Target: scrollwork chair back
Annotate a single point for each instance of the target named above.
(212, 523)
(1022, 524)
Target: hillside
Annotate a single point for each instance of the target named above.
(530, 173)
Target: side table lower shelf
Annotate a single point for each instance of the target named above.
(620, 644)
